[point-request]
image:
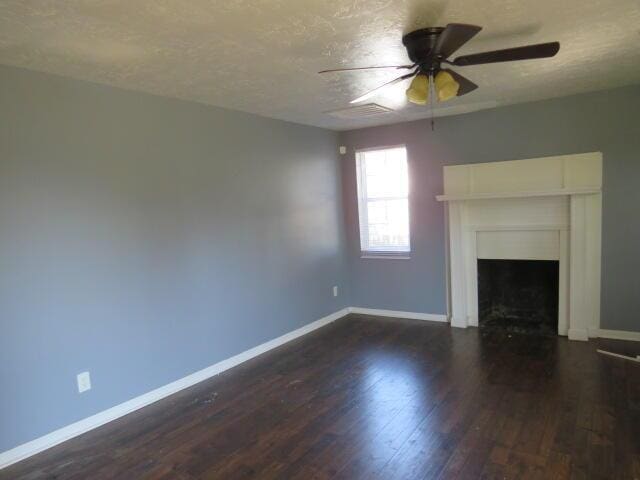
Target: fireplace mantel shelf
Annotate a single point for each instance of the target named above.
(520, 194)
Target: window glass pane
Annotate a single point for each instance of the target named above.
(388, 224)
(375, 160)
(383, 191)
(386, 173)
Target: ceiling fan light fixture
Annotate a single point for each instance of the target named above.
(418, 91)
(429, 48)
(446, 86)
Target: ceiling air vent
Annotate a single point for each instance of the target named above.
(360, 111)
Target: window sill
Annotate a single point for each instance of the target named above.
(386, 256)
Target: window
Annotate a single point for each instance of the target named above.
(383, 200)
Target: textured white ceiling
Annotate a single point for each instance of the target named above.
(261, 56)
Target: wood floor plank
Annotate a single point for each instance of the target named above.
(373, 398)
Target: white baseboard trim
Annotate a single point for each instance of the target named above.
(66, 433)
(459, 322)
(614, 334)
(580, 334)
(433, 317)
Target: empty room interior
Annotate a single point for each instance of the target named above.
(302, 239)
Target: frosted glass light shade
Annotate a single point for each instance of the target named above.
(418, 91)
(446, 86)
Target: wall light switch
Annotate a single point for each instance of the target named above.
(343, 150)
(335, 291)
(84, 382)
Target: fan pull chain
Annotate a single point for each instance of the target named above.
(432, 92)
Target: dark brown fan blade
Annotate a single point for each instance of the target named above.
(453, 37)
(466, 85)
(366, 68)
(542, 50)
(370, 93)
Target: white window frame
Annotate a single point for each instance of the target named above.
(377, 252)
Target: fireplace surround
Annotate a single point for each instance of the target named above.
(535, 209)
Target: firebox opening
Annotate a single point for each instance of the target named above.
(519, 296)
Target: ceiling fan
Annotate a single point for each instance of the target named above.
(430, 48)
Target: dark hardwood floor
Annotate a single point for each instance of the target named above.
(371, 398)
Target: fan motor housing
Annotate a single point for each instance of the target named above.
(420, 44)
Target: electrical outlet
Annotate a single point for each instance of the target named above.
(84, 382)
(335, 291)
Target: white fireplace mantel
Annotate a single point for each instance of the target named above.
(537, 209)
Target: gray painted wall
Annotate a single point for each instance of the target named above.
(144, 238)
(605, 121)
